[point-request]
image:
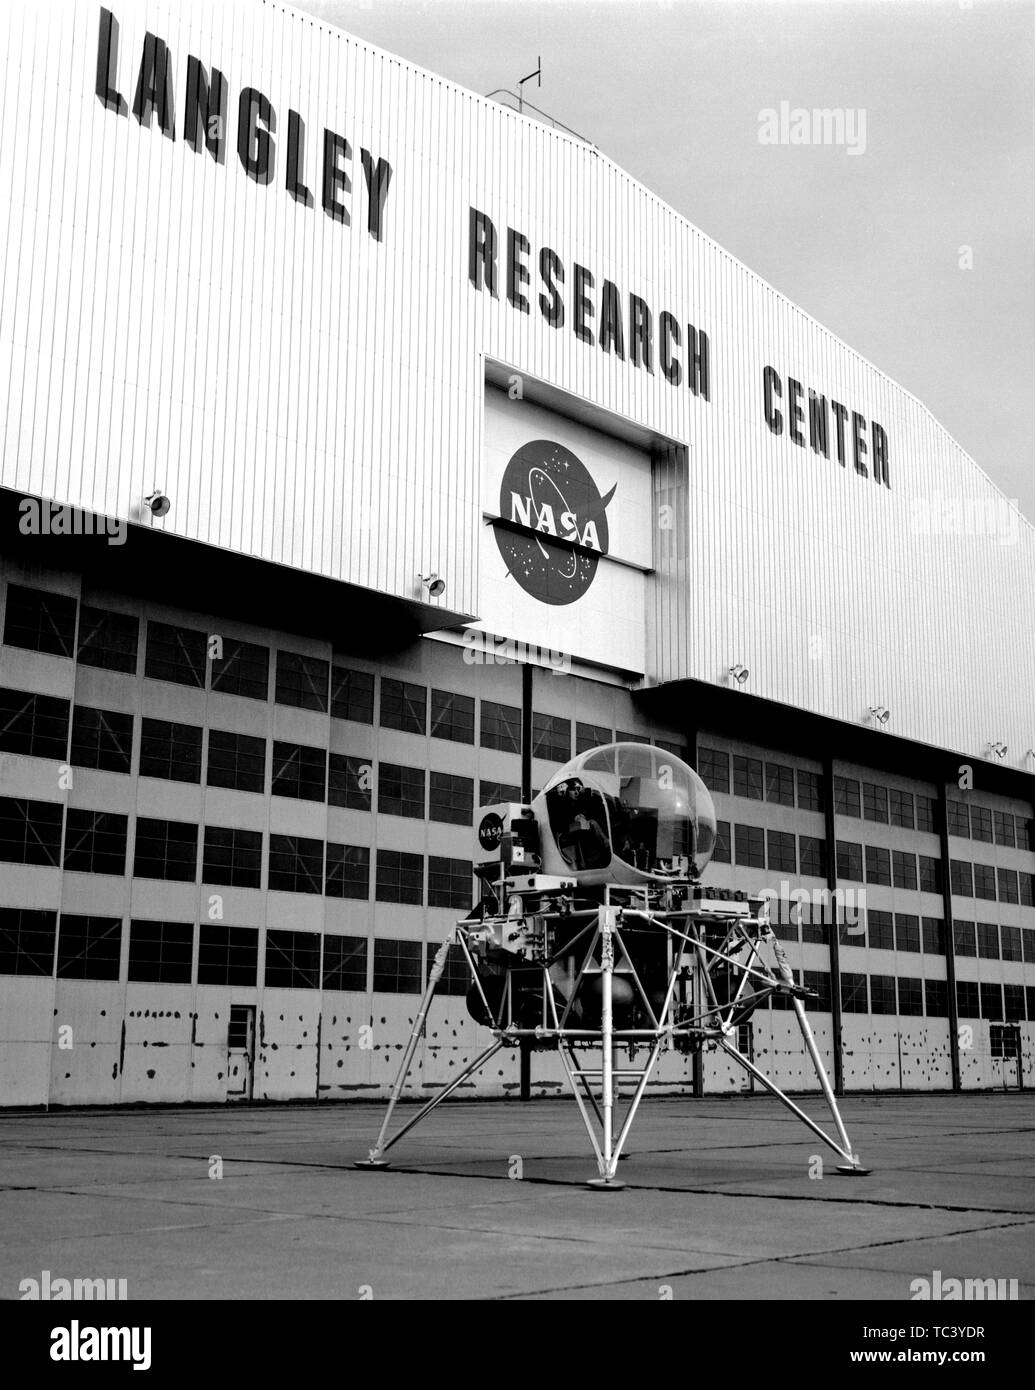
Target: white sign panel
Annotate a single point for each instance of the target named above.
(567, 537)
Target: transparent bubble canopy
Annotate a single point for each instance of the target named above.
(630, 812)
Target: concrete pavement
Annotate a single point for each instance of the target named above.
(252, 1203)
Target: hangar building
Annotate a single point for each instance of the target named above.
(368, 448)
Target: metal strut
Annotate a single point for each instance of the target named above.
(714, 1023)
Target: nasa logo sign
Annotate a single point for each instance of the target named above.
(490, 832)
(549, 493)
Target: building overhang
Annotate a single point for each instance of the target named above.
(163, 568)
(696, 705)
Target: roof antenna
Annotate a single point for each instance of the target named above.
(538, 82)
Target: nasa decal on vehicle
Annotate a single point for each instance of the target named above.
(490, 832)
(549, 493)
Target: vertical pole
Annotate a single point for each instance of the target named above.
(950, 939)
(834, 942)
(608, 1162)
(524, 1047)
(697, 1060)
(526, 731)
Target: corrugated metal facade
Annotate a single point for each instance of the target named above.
(312, 395)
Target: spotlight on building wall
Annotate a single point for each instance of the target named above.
(158, 504)
(880, 714)
(739, 673)
(997, 751)
(435, 586)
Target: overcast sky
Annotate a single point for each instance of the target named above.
(869, 244)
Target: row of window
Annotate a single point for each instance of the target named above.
(759, 780)
(971, 821)
(780, 851)
(913, 997)
(37, 726)
(96, 842)
(33, 942)
(56, 623)
(904, 931)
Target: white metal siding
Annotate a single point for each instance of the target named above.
(311, 396)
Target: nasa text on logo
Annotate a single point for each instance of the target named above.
(548, 490)
(490, 832)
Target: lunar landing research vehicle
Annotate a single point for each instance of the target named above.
(595, 938)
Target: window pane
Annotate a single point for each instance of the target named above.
(296, 864)
(750, 846)
(589, 736)
(102, 738)
(166, 849)
(880, 930)
(350, 782)
(812, 853)
(227, 955)
(846, 797)
(779, 784)
(853, 993)
(449, 883)
(849, 861)
(160, 952)
(981, 823)
(397, 967)
(875, 803)
(170, 751)
(237, 761)
(292, 959)
(492, 793)
(89, 947)
(964, 938)
(30, 831)
(302, 681)
(176, 654)
(27, 938)
(903, 869)
(878, 865)
(243, 669)
(108, 640)
(782, 856)
(345, 963)
(451, 799)
(936, 999)
(400, 791)
(35, 726)
(747, 777)
(901, 808)
(299, 771)
(882, 994)
(907, 931)
(452, 716)
(713, 767)
(501, 727)
(551, 737)
(95, 842)
(810, 792)
(352, 695)
(40, 621)
(232, 857)
(400, 877)
(348, 872)
(404, 706)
